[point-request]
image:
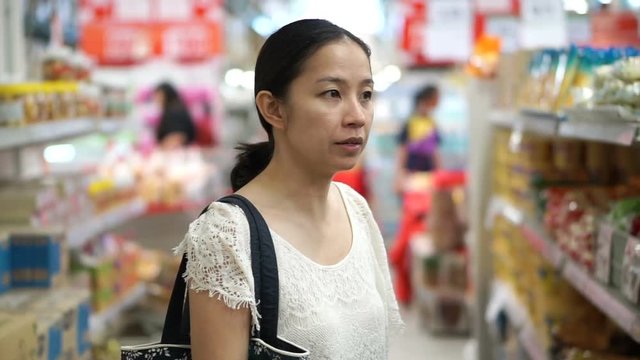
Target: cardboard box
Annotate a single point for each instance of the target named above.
(74, 307)
(18, 339)
(49, 334)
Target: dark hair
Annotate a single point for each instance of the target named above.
(171, 96)
(427, 92)
(279, 62)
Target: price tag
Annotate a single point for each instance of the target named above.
(631, 270)
(543, 24)
(603, 253)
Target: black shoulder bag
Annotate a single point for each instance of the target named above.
(265, 345)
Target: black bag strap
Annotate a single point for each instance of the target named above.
(266, 285)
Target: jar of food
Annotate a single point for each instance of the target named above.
(31, 108)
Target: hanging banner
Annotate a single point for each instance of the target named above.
(449, 30)
(544, 24)
(122, 32)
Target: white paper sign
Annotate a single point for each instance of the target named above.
(449, 30)
(579, 29)
(493, 6)
(174, 10)
(544, 24)
(127, 10)
(507, 28)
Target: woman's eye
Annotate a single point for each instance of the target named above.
(367, 95)
(332, 94)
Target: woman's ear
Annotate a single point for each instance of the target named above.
(270, 108)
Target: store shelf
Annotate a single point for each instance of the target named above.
(83, 231)
(624, 314)
(503, 297)
(42, 133)
(100, 321)
(621, 133)
(111, 125)
(594, 125)
(539, 123)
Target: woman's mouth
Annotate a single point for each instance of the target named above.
(353, 144)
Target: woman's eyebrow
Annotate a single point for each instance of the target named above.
(338, 80)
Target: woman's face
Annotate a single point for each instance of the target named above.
(329, 109)
(158, 99)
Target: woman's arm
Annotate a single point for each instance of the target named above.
(218, 332)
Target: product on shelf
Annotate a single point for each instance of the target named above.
(37, 259)
(581, 76)
(31, 103)
(5, 264)
(61, 320)
(619, 84)
(112, 265)
(75, 308)
(563, 318)
(62, 64)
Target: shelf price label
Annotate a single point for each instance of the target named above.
(631, 270)
(603, 253)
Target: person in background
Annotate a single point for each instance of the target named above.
(176, 128)
(417, 154)
(419, 138)
(314, 96)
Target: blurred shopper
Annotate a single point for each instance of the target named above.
(417, 158)
(419, 138)
(176, 128)
(313, 93)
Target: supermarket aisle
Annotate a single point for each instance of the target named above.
(417, 344)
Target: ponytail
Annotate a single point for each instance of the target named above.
(251, 161)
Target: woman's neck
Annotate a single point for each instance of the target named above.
(284, 186)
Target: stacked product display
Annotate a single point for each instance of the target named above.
(586, 77)
(23, 104)
(562, 193)
(440, 259)
(563, 212)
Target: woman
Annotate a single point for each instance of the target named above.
(313, 93)
(176, 128)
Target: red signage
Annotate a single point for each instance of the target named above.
(116, 32)
(614, 29)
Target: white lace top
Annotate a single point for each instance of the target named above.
(341, 311)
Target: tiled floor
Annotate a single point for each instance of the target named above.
(418, 344)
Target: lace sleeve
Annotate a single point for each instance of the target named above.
(383, 277)
(218, 249)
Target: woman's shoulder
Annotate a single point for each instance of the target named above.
(352, 197)
(222, 227)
